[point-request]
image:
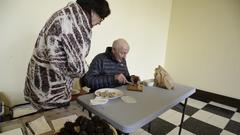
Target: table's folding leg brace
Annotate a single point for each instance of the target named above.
(89, 113)
(121, 133)
(183, 113)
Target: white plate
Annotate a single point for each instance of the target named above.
(115, 93)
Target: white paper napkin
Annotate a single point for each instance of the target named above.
(98, 101)
(128, 99)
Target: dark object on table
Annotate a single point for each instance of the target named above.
(84, 126)
(135, 79)
(135, 85)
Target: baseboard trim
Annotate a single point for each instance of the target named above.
(208, 96)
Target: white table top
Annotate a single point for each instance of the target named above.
(151, 103)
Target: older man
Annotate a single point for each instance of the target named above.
(109, 69)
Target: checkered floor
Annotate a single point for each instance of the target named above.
(201, 118)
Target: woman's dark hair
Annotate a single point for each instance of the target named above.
(101, 7)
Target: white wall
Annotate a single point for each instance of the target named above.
(143, 23)
(204, 45)
(145, 26)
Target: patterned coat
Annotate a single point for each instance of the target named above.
(58, 57)
(102, 70)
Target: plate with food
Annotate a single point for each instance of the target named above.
(109, 93)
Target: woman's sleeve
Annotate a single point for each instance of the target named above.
(67, 49)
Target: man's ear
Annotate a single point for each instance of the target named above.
(113, 50)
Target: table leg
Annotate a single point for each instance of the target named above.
(183, 113)
(90, 114)
(149, 126)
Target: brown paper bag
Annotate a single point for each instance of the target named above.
(162, 78)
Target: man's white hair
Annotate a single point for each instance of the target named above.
(119, 44)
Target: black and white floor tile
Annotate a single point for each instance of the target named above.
(201, 118)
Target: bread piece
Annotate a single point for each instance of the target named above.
(134, 87)
(163, 79)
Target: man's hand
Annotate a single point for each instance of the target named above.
(121, 78)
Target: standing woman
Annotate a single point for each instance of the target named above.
(60, 51)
